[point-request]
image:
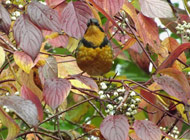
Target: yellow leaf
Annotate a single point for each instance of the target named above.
(13, 128)
(28, 80)
(72, 44)
(6, 74)
(67, 66)
(181, 110)
(2, 58)
(24, 61)
(78, 84)
(52, 35)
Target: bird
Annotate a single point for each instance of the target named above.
(94, 54)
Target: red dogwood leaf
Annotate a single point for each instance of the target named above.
(115, 127)
(5, 22)
(27, 36)
(44, 17)
(146, 130)
(56, 91)
(24, 108)
(152, 36)
(74, 18)
(26, 93)
(173, 56)
(110, 6)
(54, 3)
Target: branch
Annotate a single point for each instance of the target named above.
(146, 53)
(25, 133)
(69, 108)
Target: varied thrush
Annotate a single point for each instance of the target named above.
(94, 52)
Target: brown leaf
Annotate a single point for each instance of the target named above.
(149, 96)
(93, 130)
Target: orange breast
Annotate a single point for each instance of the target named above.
(94, 61)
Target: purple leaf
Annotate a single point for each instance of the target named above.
(56, 91)
(146, 130)
(5, 20)
(74, 18)
(27, 36)
(44, 17)
(115, 127)
(172, 86)
(24, 108)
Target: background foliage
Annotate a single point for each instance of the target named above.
(43, 95)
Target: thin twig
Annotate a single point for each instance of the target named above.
(7, 80)
(13, 72)
(67, 61)
(150, 59)
(91, 95)
(171, 128)
(8, 43)
(45, 134)
(58, 125)
(50, 54)
(69, 108)
(168, 113)
(94, 106)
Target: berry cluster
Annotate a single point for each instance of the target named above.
(174, 133)
(120, 105)
(184, 30)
